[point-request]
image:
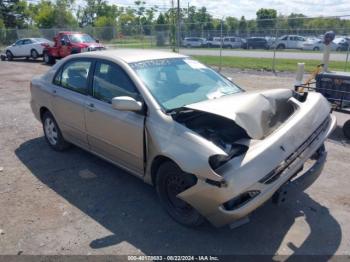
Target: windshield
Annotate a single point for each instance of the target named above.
(177, 82)
(81, 38)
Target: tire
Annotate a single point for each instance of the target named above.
(316, 48)
(346, 129)
(48, 59)
(3, 57)
(34, 54)
(170, 181)
(281, 47)
(9, 55)
(53, 135)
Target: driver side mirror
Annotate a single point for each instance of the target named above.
(126, 103)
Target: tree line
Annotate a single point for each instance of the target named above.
(143, 18)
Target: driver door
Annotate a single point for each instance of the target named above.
(65, 46)
(113, 134)
(16, 48)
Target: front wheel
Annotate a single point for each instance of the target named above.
(9, 55)
(53, 133)
(346, 129)
(170, 182)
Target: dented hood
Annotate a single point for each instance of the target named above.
(258, 113)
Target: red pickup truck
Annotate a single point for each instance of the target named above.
(67, 43)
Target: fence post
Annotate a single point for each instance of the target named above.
(220, 65)
(274, 53)
(347, 59)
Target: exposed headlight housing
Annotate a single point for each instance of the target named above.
(216, 161)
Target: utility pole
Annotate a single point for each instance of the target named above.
(178, 26)
(222, 21)
(172, 31)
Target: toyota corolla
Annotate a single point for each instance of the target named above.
(213, 151)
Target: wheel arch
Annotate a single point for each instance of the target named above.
(156, 163)
(42, 111)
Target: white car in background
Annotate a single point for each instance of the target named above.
(289, 42)
(214, 42)
(27, 47)
(315, 44)
(194, 42)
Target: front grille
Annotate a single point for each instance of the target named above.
(276, 173)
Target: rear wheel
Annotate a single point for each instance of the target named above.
(170, 182)
(281, 47)
(34, 54)
(9, 55)
(53, 133)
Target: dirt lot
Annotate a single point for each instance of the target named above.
(76, 203)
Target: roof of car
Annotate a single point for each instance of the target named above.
(132, 55)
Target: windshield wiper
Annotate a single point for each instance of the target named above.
(179, 110)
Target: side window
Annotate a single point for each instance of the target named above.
(285, 38)
(27, 41)
(74, 76)
(19, 42)
(110, 81)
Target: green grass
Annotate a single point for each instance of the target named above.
(266, 63)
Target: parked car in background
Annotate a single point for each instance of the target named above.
(232, 42)
(289, 42)
(214, 41)
(67, 43)
(342, 43)
(313, 44)
(338, 44)
(194, 42)
(27, 47)
(212, 151)
(256, 42)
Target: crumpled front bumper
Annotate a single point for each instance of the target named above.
(209, 200)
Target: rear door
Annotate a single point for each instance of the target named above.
(116, 135)
(292, 43)
(70, 90)
(27, 46)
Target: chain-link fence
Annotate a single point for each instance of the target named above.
(203, 39)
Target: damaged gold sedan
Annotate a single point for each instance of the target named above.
(213, 151)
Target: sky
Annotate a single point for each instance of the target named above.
(248, 8)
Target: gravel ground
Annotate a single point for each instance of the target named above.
(76, 203)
